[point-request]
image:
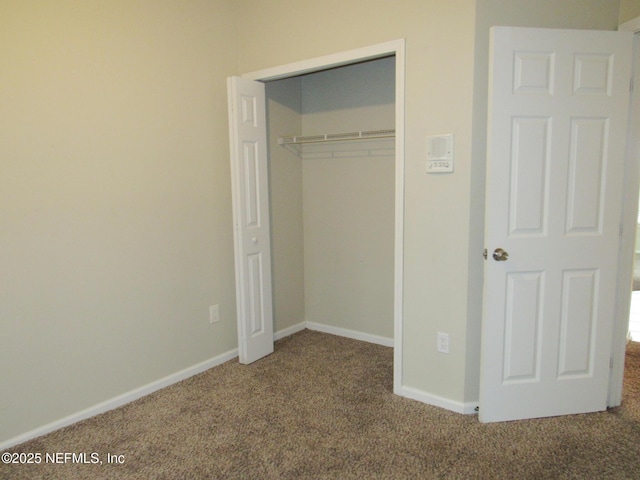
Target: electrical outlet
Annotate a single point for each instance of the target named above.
(214, 314)
(443, 342)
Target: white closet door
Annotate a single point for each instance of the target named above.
(250, 191)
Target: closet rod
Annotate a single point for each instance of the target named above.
(336, 137)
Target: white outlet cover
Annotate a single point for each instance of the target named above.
(443, 342)
(214, 314)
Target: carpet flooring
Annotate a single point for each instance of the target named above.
(322, 407)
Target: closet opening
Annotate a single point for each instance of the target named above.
(331, 148)
(335, 148)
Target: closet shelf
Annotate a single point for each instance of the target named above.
(311, 146)
(336, 137)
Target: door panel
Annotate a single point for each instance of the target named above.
(529, 192)
(577, 322)
(250, 157)
(557, 129)
(249, 171)
(587, 175)
(522, 326)
(255, 277)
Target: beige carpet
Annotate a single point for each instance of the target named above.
(322, 407)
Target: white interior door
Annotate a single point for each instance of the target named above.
(557, 128)
(250, 191)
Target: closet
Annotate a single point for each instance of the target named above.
(331, 182)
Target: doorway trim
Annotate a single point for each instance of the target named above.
(628, 224)
(392, 48)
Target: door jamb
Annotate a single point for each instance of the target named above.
(628, 224)
(393, 48)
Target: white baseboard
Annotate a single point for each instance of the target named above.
(121, 400)
(285, 332)
(344, 332)
(437, 401)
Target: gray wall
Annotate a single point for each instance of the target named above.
(349, 200)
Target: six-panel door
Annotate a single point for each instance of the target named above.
(557, 126)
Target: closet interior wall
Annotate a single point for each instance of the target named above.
(332, 211)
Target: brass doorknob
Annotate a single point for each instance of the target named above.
(499, 255)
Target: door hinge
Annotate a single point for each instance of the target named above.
(610, 362)
(484, 253)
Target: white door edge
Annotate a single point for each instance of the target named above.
(629, 222)
(392, 48)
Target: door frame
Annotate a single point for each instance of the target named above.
(628, 224)
(392, 48)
